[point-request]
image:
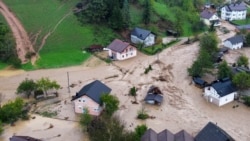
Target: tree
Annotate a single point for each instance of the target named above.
(224, 70)
(242, 80)
(27, 87)
(139, 131)
(1, 128)
(96, 11)
(46, 84)
(196, 69)
(132, 92)
(242, 61)
(209, 42)
(248, 39)
(116, 19)
(147, 12)
(111, 103)
(205, 59)
(126, 14)
(85, 119)
(246, 100)
(11, 111)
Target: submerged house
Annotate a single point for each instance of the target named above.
(143, 36)
(235, 42)
(154, 96)
(220, 92)
(212, 132)
(89, 97)
(120, 50)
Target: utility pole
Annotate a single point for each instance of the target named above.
(68, 82)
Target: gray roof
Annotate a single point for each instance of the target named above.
(149, 135)
(93, 90)
(140, 33)
(206, 14)
(236, 7)
(23, 138)
(165, 135)
(118, 45)
(236, 39)
(183, 136)
(156, 97)
(224, 87)
(247, 27)
(212, 132)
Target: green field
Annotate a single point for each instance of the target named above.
(241, 22)
(68, 37)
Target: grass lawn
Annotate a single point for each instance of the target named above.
(241, 22)
(3, 65)
(135, 15)
(64, 46)
(164, 11)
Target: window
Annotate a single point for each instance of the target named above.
(79, 100)
(131, 49)
(132, 53)
(96, 109)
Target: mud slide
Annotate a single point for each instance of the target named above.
(23, 43)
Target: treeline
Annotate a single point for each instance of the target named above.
(8, 53)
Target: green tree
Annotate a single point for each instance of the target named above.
(132, 92)
(242, 80)
(96, 11)
(147, 12)
(27, 87)
(46, 84)
(11, 111)
(126, 14)
(1, 128)
(85, 119)
(242, 61)
(205, 59)
(196, 69)
(246, 100)
(139, 131)
(116, 19)
(224, 70)
(111, 103)
(209, 42)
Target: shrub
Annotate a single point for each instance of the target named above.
(246, 100)
(142, 114)
(48, 114)
(149, 68)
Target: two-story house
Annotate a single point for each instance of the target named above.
(234, 11)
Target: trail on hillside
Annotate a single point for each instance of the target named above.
(23, 43)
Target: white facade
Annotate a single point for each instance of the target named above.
(149, 41)
(211, 20)
(129, 52)
(212, 96)
(233, 15)
(233, 46)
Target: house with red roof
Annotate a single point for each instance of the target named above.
(120, 50)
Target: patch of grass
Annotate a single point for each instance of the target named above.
(3, 65)
(241, 22)
(48, 114)
(135, 15)
(28, 66)
(187, 31)
(163, 11)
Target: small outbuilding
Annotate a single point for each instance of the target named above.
(143, 36)
(199, 82)
(154, 96)
(235, 42)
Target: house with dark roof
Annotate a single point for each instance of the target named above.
(234, 11)
(89, 97)
(154, 96)
(209, 17)
(166, 135)
(199, 82)
(23, 138)
(120, 50)
(220, 92)
(142, 36)
(212, 132)
(235, 42)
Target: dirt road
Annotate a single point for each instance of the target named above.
(23, 43)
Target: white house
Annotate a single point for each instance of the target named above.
(209, 18)
(120, 50)
(143, 36)
(235, 42)
(220, 92)
(234, 11)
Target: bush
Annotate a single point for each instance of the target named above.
(16, 62)
(142, 114)
(139, 131)
(1, 128)
(149, 68)
(246, 100)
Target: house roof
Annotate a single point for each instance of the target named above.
(224, 87)
(156, 97)
(93, 90)
(183, 136)
(236, 6)
(212, 132)
(247, 27)
(23, 138)
(199, 81)
(149, 135)
(236, 39)
(165, 135)
(118, 45)
(206, 14)
(140, 33)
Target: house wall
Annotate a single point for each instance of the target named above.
(212, 96)
(232, 46)
(127, 53)
(149, 41)
(86, 102)
(233, 15)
